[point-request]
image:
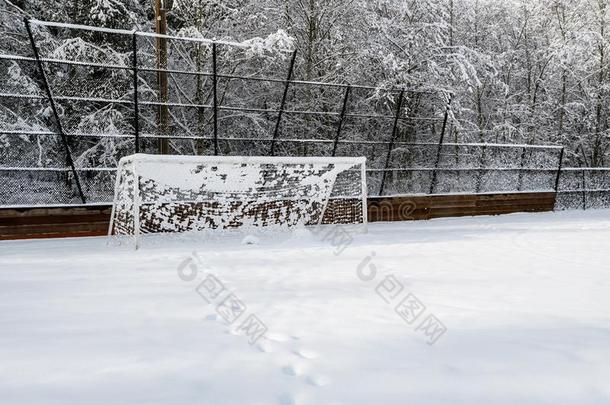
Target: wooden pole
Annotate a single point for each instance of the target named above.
(162, 81)
(136, 112)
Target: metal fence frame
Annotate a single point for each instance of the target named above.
(274, 138)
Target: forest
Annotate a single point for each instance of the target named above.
(530, 72)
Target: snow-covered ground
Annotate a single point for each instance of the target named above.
(491, 310)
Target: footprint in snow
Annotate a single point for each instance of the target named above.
(277, 337)
(287, 399)
(293, 370)
(265, 346)
(297, 398)
(306, 354)
(318, 380)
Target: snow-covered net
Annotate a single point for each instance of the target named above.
(169, 194)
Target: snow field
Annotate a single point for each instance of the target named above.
(524, 299)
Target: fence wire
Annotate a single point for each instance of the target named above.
(222, 98)
(584, 188)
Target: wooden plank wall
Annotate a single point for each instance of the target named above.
(52, 222)
(442, 206)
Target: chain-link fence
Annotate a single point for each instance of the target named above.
(584, 188)
(70, 111)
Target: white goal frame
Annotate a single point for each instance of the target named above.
(133, 160)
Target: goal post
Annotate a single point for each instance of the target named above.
(174, 193)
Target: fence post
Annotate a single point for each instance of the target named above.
(440, 145)
(559, 170)
(215, 97)
(136, 112)
(584, 189)
(276, 131)
(520, 177)
(62, 134)
(392, 139)
(584, 178)
(481, 169)
(341, 117)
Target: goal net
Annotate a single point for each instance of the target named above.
(165, 193)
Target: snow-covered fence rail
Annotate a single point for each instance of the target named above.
(584, 188)
(462, 168)
(93, 105)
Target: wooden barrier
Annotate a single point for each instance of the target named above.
(92, 220)
(54, 222)
(456, 205)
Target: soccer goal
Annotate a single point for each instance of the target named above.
(167, 193)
